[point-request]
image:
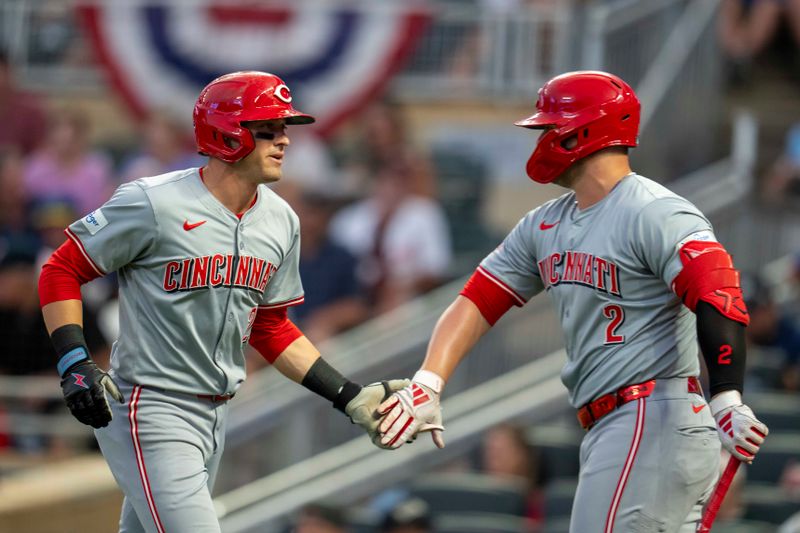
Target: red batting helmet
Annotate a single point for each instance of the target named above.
(595, 108)
(229, 101)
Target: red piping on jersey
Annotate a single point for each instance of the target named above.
(84, 252)
(490, 297)
(133, 408)
(520, 301)
(64, 273)
(287, 303)
(638, 430)
(272, 333)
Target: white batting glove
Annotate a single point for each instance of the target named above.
(413, 410)
(363, 409)
(739, 430)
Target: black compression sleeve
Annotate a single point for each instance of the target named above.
(722, 341)
(326, 381)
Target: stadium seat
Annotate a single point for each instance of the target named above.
(476, 493)
(478, 523)
(744, 526)
(780, 411)
(558, 496)
(778, 450)
(767, 503)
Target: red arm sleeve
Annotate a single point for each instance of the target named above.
(491, 300)
(272, 333)
(64, 273)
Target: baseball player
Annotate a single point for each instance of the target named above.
(637, 278)
(207, 260)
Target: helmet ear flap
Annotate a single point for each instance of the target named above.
(585, 111)
(233, 99)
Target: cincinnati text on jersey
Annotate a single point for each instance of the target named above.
(218, 270)
(580, 268)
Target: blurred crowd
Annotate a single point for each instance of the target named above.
(377, 230)
(374, 231)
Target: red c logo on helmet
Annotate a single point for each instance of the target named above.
(283, 94)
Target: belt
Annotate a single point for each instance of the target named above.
(216, 397)
(589, 414)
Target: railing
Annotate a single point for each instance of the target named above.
(297, 425)
(666, 50)
(356, 469)
(470, 51)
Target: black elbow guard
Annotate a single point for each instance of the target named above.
(722, 342)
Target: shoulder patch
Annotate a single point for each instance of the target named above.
(95, 221)
(705, 235)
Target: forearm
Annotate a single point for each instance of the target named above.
(456, 333)
(295, 361)
(61, 313)
(301, 362)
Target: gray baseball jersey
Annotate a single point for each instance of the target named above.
(609, 270)
(192, 276)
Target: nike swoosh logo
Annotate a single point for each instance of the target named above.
(698, 408)
(190, 227)
(545, 226)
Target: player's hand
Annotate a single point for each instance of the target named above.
(739, 430)
(363, 409)
(413, 410)
(84, 386)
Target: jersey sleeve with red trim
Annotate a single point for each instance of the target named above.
(64, 273)
(662, 228)
(118, 232)
(512, 266)
(285, 288)
(490, 299)
(272, 333)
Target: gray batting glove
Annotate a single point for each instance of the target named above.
(363, 409)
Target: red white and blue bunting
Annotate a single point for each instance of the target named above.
(335, 59)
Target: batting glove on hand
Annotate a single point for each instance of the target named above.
(363, 409)
(413, 410)
(84, 386)
(739, 430)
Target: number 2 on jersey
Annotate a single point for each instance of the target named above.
(616, 314)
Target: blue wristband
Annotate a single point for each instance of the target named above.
(70, 358)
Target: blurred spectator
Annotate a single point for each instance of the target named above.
(769, 327)
(27, 346)
(167, 145)
(13, 212)
(506, 454)
(320, 518)
(52, 33)
(21, 114)
(783, 178)
(747, 27)
(401, 239)
(382, 142)
(65, 167)
(334, 301)
(790, 480)
(309, 165)
(409, 516)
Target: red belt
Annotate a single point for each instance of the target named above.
(590, 413)
(216, 397)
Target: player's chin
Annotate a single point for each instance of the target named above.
(271, 175)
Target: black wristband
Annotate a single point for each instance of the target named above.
(722, 342)
(326, 381)
(349, 391)
(70, 347)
